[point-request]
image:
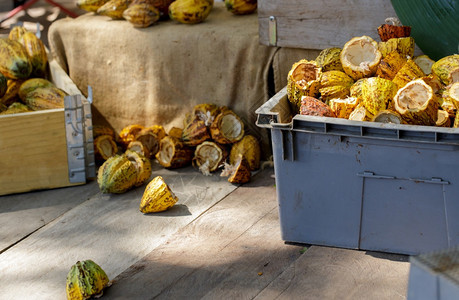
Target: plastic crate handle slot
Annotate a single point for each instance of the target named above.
(288, 151)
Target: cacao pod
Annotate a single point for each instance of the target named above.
(239, 172)
(303, 79)
(249, 148)
(190, 11)
(334, 84)
(444, 67)
(241, 7)
(84, 280)
(90, 5)
(45, 98)
(425, 63)
(410, 71)
(141, 15)
(343, 107)
(313, 107)
(390, 65)
(104, 147)
(12, 91)
(157, 197)
(15, 108)
(403, 45)
(443, 119)
(16, 33)
(329, 59)
(173, 153)
(14, 60)
(142, 165)
(395, 30)
(128, 133)
(117, 174)
(31, 84)
(37, 53)
(195, 132)
(114, 8)
(377, 93)
(208, 156)
(227, 128)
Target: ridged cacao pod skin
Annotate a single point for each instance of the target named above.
(404, 46)
(249, 148)
(241, 171)
(16, 33)
(343, 107)
(117, 175)
(190, 11)
(377, 93)
(444, 66)
(45, 98)
(141, 15)
(303, 79)
(3, 85)
(114, 8)
(31, 84)
(409, 72)
(390, 65)
(241, 7)
(37, 53)
(15, 108)
(84, 280)
(329, 59)
(157, 197)
(90, 5)
(389, 31)
(142, 164)
(12, 90)
(14, 60)
(334, 84)
(195, 132)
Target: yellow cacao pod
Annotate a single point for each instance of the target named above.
(90, 5)
(14, 60)
(303, 79)
(117, 175)
(190, 11)
(114, 8)
(241, 7)
(37, 53)
(31, 84)
(445, 66)
(157, 197)
(249, 148)
(16, 33)
(45, 98)
(329, 59)
(141, 15)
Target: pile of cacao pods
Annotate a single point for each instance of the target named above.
(375, 81)
(23, 72)
(212, 138)
(144, 13)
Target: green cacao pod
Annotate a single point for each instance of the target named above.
(117, 175)
(31, 84)
(45, 98)
(85, 279)
(14, 60)
(141, 15)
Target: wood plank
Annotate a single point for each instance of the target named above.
(233, 251)
(319, 24)
(23, 214)
(33, 151)
(108, 229)
(333, 273)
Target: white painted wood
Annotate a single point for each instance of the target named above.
(108, 229)
(319, 24)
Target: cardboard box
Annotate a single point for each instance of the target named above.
(50, 148)
(318, 24)
(363, 185)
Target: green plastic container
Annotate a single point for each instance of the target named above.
(434, 24)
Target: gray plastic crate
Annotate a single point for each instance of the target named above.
(434, 276)
(363, 185)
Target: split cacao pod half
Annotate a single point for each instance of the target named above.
(173, 153)
(128, 133)
(114, 8)
(394, 30)
(227, 128)
(138, 147)
(241, 7)
(451, 94)
(313, 107)
(147, 137)
(195, 132)
(37, 53)
(141, 15)
(410, 71)
(176, 132)
(443, 119)
(190, 11)
(425, 63)
(158, 130)
(417, 103)
(85, 280)
(360, 57)
(249, 148)
(239, 172)
(209, 156)
(329, 59)
(303, 80)
(205, 112)
(390, 65)
(14, 60)
(447, 68)
(356, 89)
(388, 116)
(360, 113)
(104, 147)
(45, 98)
(343, 107)
(157, 197)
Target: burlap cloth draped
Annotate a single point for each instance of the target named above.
(157, 74)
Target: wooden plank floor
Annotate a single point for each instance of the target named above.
(219, 241)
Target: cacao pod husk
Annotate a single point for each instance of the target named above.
(314, 107)
(241, 7)
(249, 148)
(16, 33)
(31, 84)
(334, 84)
(190, 11)
(117, 174)
(360, 57)
(157, 197)
(329, 59)
(209, 156)
(37, 53)
(303, 79)
(343, 107)
(14, 60)
(12, 91)
(142, 165)
(128, 133)
(85, 280)
(173, 153)
(195, 132)
(377, 93)
(444, 119)
(15, 108)
(410, 71)
(443, 68)
(141, 15)
(227, 128)
(45, 98)
(403, 45)
(104, 147)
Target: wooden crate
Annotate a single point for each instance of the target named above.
(319, 24)
(50, 148)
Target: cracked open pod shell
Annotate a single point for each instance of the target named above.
(173, 153)
(303, 80)
(360, 57)
(104, 147)
(227, 128)
(157, 197)
(447, 68)
(417, 103)
(249, 148)
(208, 156)
(410, 71)
(343, 107)
(403, 45)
